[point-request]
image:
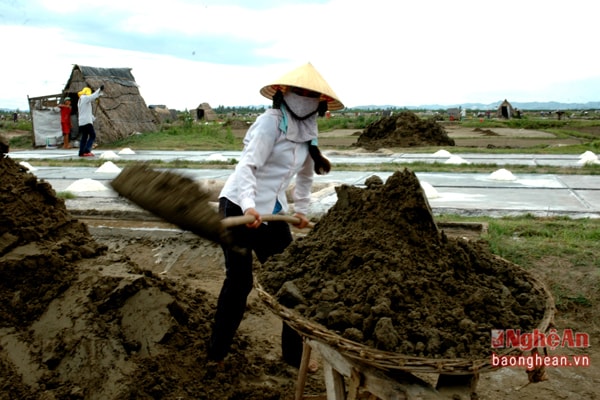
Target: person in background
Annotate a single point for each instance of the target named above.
(280, 145)
(65, 121)
(86, 120)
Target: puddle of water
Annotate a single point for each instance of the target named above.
(129, 224)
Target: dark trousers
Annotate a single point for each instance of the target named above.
(265, 241)
(88, 135)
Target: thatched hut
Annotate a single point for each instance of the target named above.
(163, 113)
(205, 112)
(121, 111)
(505, 110)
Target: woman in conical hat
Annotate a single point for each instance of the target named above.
(281, 145)
(308, 78)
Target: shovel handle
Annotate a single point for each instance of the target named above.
(248, 219)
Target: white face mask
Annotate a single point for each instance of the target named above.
(300, 105)
(301, 130)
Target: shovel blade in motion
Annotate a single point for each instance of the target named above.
(182, 202)
(175, 198)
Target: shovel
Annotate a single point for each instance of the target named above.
(181, 201)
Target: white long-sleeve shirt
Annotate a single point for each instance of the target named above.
(267, 165)
(84, 106)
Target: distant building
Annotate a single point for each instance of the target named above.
(120, 112)
(454, 114)
(205, 112)
(163, 113)
(505, 110)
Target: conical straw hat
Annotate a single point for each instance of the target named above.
(305, 77)
(86, 90)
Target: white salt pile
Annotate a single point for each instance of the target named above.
(108, 167)
(216, 157)
(86, 185)
(456, 160)
(126, 150)
(28, 166)
(442, 153)
(109, 155)
(588, 158)
(588, 154)
(430, 191)
(502, 175)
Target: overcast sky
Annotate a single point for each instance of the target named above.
(404, 53)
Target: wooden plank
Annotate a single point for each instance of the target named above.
(333, 357)
(303, 372)
(395, 386)
(334, 383)
(354, 384)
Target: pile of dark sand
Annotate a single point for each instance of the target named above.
(4, 144)
(80, 322)
(485, 132)
(39, 241)
(405, 129)
(377, 270)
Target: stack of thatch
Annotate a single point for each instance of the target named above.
(121, 111)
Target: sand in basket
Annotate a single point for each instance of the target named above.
(377, 272)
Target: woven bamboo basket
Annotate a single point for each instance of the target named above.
(390, 361)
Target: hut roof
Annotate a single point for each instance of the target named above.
(121, 111)
(207, 113)
(122, 76)
(505, 110)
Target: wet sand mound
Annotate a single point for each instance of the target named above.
(405, 129)
(377, 270)
(485, 132)
(80, 322)
(39, 241)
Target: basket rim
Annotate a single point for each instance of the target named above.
(387, 360)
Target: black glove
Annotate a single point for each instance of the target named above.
(101, 87)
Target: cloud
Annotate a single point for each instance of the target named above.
(184, 52)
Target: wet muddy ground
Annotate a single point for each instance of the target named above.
(92, 311)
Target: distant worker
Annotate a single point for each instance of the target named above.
(65, 121)
(86, 120)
